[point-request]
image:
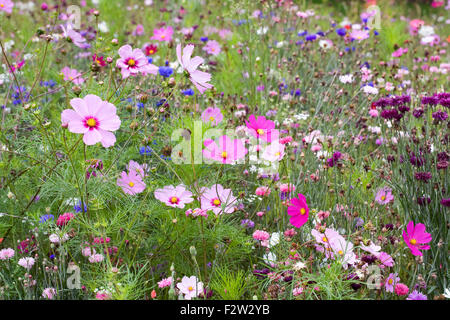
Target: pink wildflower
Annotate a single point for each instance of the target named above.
(6, 254)
(6, 5)
(261, 235)
(416, 238)
(212, 116)
(166, 282)
(64, 219)
(401, 289)
(262, 128)
(212, 47)
(94, 118)
(390, 282)
(217, 199)
(198, 78)
(132, 62)
(49, 293)
(175, 197)
(131, 183)
(299, 211)
(72, 75)
(227, 151)
(162, 34)
(190, 287)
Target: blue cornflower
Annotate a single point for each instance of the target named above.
(302, 34)
(140, 105)
(160, 102)
(145, 150)
(341, 32)
(188, 92)
(150, 60)
(46, 217)
(165, 71)
(375, 32)
(310, 37)
(77, 207)
(204, 39)
(320, 33)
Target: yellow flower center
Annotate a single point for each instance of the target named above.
(91, 122)
(216, 202)
(390, 281)
(71, 78)
(190, 288)
(260, 131)
(324, 239)
(302, 211)
(211, 118)
(131, 62)
(413, 241)
(224, 154)
(163, 36)
(151, 51)
(174, 200)
(277, 154)
(131, 184)
(2, 5)
(383, 198)
(341, 252)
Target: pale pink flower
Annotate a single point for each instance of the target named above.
(6, 254)
(94, 118)
(95, 258)
(212, 47)
(175, 197)
(359, 35)
(217, 199)
(49, 293)
(190, 287)
(139, 31)
(212, 115)
(198, 78)
(142, 170)
(6, 5)
(75, 37)
(72, 75)
(273, 152)
(132, 62)
(162, 34)
(227, 151)
(27, 262)
(131, 183)
(88, 251)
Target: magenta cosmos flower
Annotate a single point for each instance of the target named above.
(131, 183)
(212, 47)
(390, 282)
(217, 199)
(175, 197)
(212, 115)
(198, 78)
(132, 62)
(416, 238)
(262, 128)
(228, 151)
(94, 118)
(72, 75)
(299, 211)
(163, 34)
(6, 5)
(384, 196)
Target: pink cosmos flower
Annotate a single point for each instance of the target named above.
(285, 187)
(49, 293)
(166, 282)
(163, 34)
(88, 251)
(175, 197)
(72, 75)
(64, 219)
(103, 295)
(261, 235)
(390, 282)
(384, 196)
(27, 262)
(139, 31)
(190, 287)
(228, 151)
(343, 250)
(6, 254)
(132, 62)
(372, 248)
(196, 212)
(385, 259)
(416, 238)
(212, 47)
(359, 35)
(6, 5)
(273, 152)
(142, 170)
(198, 78)
(131, 183)
(75, 37)
(94, 118)
(217, 199)
(212, 115)
(299, 211)
(414, 26)
(261, 128)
